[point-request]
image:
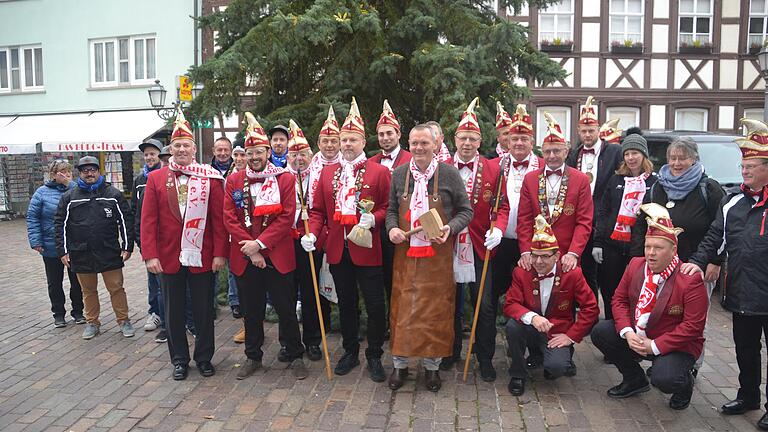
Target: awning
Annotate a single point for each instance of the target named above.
(109, 131)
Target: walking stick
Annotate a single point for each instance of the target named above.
(305, 219)
(494, 213)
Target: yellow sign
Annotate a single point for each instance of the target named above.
(185, 89)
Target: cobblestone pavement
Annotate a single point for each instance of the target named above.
(51, 379)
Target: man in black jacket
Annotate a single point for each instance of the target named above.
(94, 234)
(155, 316)
(599, 160)
(739, 230)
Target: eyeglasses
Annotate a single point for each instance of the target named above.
(536, 257)
(88, 170)
(750, 167)
(470, 139)
(678, 158)
(554, 151)
(260, 151)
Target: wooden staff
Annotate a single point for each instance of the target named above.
(305, 218)
(494, 213)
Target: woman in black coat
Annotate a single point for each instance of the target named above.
(617, 215)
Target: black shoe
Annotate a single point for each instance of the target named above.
(346, 363)
(447, 362)
(397, 378)
(376, 370)
(206, 368)
(59, 322)
(79, 318)
(161, 336)
(629, 388)
(681, 400)
(762, 424)
(487, 372)
(314, 353)
(534, 361)
(180, 372)
(516, 386)
(738, 406)
(282, 356)
(236, 312)
(248, 368)
(432, 380)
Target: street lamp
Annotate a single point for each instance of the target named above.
(762, 58)
(157, 99)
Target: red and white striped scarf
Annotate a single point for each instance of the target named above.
(443, 155)
(500, 151)
(420, 246)
(463, 255)
(315, 167)
(647, 299)
(267, 199)
(346, 198)
(634, 191)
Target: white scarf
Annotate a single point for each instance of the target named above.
(500, 150)
(634, 191)
(443, 155)
(196, 212)
(514, 185)
(463, 254)
(346, 197)
(649, 293)
(315, 167)
(267, 199)
(420, 246)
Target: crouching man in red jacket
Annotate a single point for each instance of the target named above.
(542, 306)
(659, 315)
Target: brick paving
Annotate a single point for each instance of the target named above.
(51, 379)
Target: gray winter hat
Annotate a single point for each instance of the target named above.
(635, 142)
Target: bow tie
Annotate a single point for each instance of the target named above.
(588, 150)
(557, 172)
(546, 276)
(470, 165)
(749, 192)
(516, 164)
(389, 157)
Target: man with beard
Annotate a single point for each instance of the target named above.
(278, 141)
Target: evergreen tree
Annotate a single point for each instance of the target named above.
(291, 59)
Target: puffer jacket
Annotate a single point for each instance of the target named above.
(94, 228)
(40, 215)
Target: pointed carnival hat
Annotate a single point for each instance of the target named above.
(610, 132)
(330, 125)
(659, 223)
(503, 120)
(554, 131)
(181, 127)
(388, 118)
(254, 133)
(296, 140)
(354, 122)
(543, 236)
(522, 123)
(468, 122)
(588, 114)
(755, 145)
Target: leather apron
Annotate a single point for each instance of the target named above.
(423, 291)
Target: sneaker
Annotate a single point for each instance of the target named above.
(299, 369)
(248, 368)
(127, 329)
(161, 336)
(90, 331)
(79, 319)
(59, 322)
(153, 322)
(236, 314)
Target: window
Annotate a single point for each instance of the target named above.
(754, 113)
(561, 114)
(758, 23)
(627, 116)
(556, 22)
(21, 68)
(123, 61)
(691, 119)
(695, 22)
(626, 20)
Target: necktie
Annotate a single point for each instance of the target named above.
(470, 165)
(516, 164)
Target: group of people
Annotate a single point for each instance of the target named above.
(412, 230)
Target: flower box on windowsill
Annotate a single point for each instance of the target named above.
(754, 49)
(623, 49)
(561, 48)
(690, 49)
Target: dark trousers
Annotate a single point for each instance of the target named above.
(505, 260)
(748, 333)
(155, 297)
(589, 266)
(54, 275)
(174, 287)
(252, 289)
(670, 374)
(485, 334)
(387, 257)
(609, 273)
(302, 277)
(519, 335)
(348, 277)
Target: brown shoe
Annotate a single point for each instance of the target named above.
(397, 378)
(432, 380)
(240, 336)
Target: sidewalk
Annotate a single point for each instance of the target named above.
(52, 380)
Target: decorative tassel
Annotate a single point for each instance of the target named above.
(420, 252)
(626, 220)
(345, 219)
(621, 236)
(267, 209)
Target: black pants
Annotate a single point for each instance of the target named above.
(615, 261)
(748, 333)
(387, 257)
(175, 297)
(589, 266)
(54, 275)
(485, 334)
(302, 278)
(348, 277)
(505, 260)
(671, 372)
(519, 335)
(252, 288)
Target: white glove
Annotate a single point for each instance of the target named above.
(367, 221)
(492, 238)
(308, 242)
(597, 254)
